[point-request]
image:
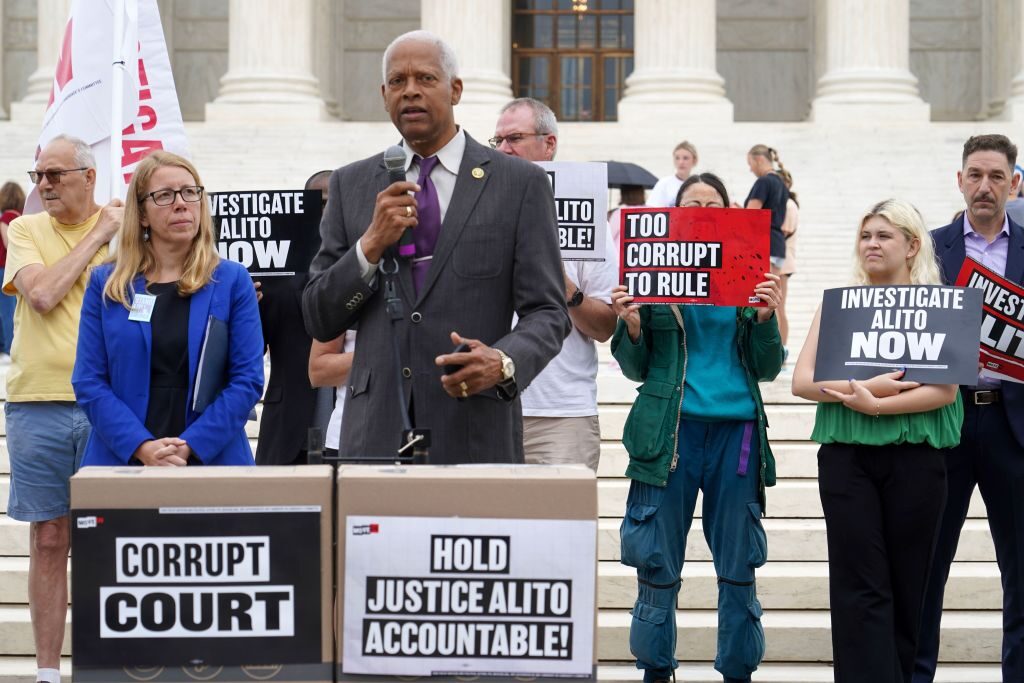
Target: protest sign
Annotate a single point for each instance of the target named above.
(694, 255)
(177, 585)
(930, 330)
(1002, 321)
(271, 233)
(581, 202)
(449, 596)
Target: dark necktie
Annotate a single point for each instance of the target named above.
(429, 226)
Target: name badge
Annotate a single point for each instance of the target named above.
(142, 307)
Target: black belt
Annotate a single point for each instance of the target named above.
(981, 397)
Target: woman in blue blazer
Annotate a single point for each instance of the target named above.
(144, 320)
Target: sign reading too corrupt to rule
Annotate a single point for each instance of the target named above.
(694, 255)
(433, 596)
(1002, 321)
(930, 330)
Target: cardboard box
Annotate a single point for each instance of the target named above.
(215, 574)
(503, 558)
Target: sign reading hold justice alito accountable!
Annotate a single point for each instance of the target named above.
(469, 597)
(930, 330)
(177, 586)
(694, 255)
(581, 202)
(271, 233)
(1002, 321)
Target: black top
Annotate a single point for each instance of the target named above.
(168, 365)
(773, 194)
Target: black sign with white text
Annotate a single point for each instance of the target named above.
(930, 330)
(272, 233)
(187, 586)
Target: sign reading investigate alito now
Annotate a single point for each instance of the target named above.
(1002, 321)
(930, 330)
(694, 255)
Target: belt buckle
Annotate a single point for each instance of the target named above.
(985, 398)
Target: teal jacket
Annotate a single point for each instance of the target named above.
(658, 359)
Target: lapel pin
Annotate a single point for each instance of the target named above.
(478, 173)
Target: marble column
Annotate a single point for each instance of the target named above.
(674, 74)
(51, 20)
(480, 32)
(3, 114)
(270, 73)
(1014, 109)
(868, 64)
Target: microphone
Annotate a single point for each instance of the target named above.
(394, 162)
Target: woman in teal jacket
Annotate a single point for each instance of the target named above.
(698, 424)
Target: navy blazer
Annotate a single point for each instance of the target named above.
(950, 249)
(112, 369)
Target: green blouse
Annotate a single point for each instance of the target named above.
(939, 428)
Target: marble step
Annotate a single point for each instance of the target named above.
(788, 422)
(792, 636)
(780, 585)
(802, 636)
(22, 670)
(799, 540)
(788, 498)
(793, 459)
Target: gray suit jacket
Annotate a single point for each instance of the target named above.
(497, 254)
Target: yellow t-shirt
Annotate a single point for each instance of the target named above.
(43, 351)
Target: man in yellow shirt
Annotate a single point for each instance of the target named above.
(48, 260)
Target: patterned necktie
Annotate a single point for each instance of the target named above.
(429, 226)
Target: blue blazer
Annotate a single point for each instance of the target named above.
(111, 375)
(950, 249)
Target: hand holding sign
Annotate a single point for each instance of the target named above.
(770, 292)
(859, 398)
(627, 311)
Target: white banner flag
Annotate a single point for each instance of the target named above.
(80, 101)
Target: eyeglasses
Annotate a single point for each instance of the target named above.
(513, 139)
(52, 176)
(192, 193)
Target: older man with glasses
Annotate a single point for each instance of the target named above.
(48, 260)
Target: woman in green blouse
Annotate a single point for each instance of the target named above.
(881, 470)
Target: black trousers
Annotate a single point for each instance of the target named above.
(991, 458)
(882, 505)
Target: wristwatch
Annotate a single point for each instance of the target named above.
(507, 388)
(576, 299)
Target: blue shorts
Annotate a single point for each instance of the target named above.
(46, 441)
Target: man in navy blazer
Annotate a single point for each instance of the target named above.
(991, 450)
(494, 252)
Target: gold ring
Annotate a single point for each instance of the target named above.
(408, 211)
(464, 387)
(464, 394)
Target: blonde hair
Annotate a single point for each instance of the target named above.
(924, 268)
(769, 153)
(134, 255)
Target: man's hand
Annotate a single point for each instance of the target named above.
(258, 286)
(394, 211)
(165, 452)
(481, 368)
(110, 220)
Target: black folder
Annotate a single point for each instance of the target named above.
(212, 374)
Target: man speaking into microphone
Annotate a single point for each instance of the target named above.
(483, 245)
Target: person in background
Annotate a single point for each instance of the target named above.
(698, 424)
(560, 420)
(991, 451)
(289, 404)
(12, 200)
(881, 470)
(329, 366)
(789, 228)
(145, 320)
(684, 158)
(1015, 201)
(48, 257)
(769, 192)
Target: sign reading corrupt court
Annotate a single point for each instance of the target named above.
(694, 255)
(1002, 321)
(930, 330)
(581, 202)
(210, 586)
(445, 596)
(271, 233)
